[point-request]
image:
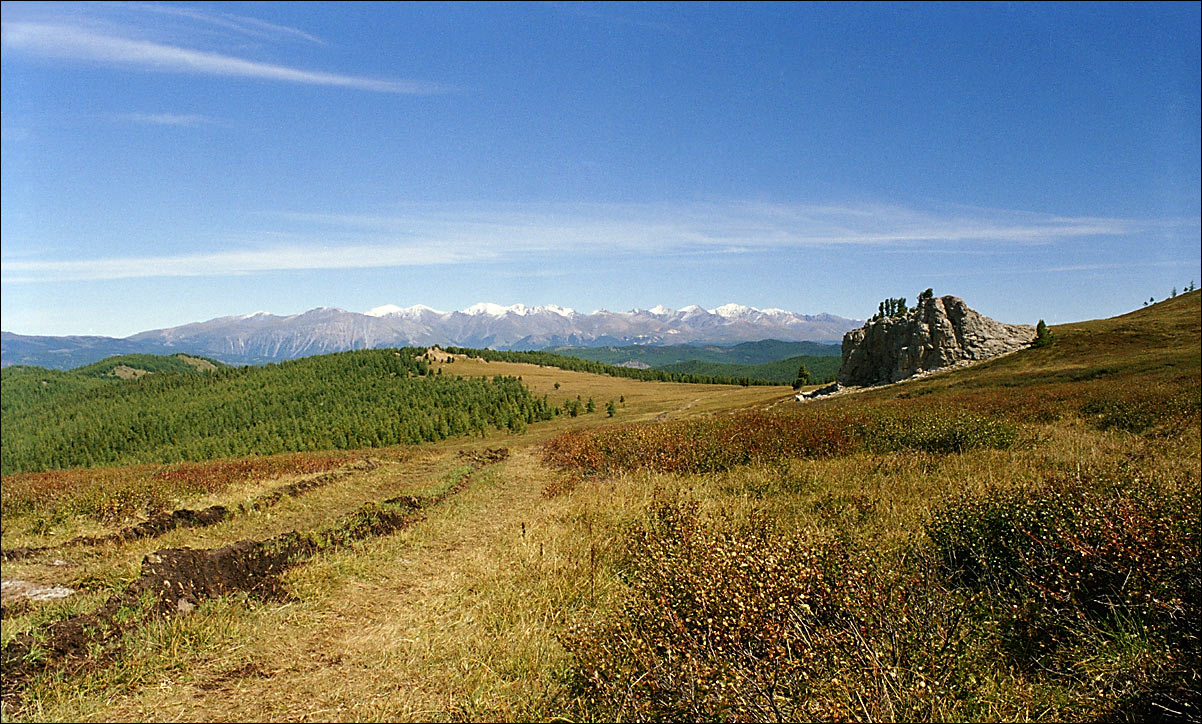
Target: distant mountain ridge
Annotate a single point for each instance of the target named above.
(261, 337)
(747, 353)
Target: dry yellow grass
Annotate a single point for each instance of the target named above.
(461, 616)
(403, 588)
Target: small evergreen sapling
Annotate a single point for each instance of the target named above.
(1043, 335)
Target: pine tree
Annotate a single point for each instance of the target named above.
(803, 378)
(1043, 336)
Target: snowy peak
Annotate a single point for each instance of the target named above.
(265, 337)
(692, 311)
(493, 310)
(555, 309)
(734, 311)
(384, 310)
(487, 309)
(392, 310)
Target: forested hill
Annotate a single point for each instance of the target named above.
(576, 364)
(136, 365)
(781, 372)
(661, 356)
(52, 419)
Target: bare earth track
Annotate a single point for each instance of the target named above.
(176, 580)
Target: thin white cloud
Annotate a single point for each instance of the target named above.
(190, 120)
(432, 235)
(74, 43)
(231, 263)
(238, 23)
(731, 225)
(1063, 268)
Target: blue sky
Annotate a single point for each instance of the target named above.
(168, 163)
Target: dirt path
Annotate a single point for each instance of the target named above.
(453, 617)
(176, 581)
(404, 638)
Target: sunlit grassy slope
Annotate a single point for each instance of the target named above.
(818, 572)
(1151, 346)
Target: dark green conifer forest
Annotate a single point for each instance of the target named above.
(53, 419)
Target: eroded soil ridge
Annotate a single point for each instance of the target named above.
(162, 523)
(175, 580)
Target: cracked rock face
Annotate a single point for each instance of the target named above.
(941, 332)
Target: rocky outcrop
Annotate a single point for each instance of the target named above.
(939, 332)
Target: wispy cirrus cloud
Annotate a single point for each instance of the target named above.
(1071, 268)
(70, 42)
(240, 24)
(454, 234)
(189, 120)
(291, 257)
(732, 225)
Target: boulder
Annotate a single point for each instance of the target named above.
(939, 332)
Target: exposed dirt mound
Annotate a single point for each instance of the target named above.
(180, 578)
(63, 644)
(487, 456)
(304, 486)
(16, 554)
(186, 518)
(158, 525)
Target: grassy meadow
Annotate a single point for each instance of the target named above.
(1015, 540)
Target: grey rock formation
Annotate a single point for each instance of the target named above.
(830, 389)
(940, 332)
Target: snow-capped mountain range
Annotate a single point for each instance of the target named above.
(263, 337)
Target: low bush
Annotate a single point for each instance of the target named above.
(699, 446)
(732, 619)
(115, 494)
(937, 431)
(1095, 581)
(1083, 548)
(1173, 408)
(720, 443)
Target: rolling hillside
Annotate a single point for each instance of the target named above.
(136, 365)
(145, 408)
(347, 400)
(708, 553)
